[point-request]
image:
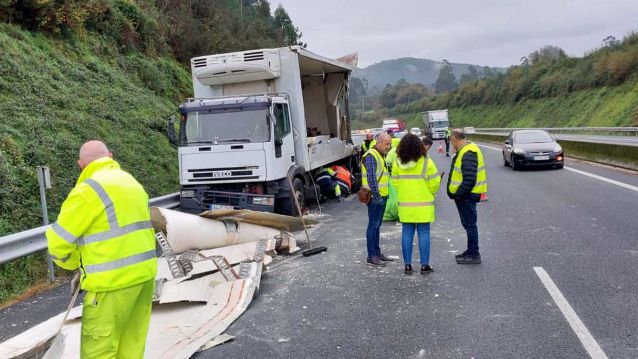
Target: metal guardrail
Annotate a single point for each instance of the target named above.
(611, 131)
(20, 244)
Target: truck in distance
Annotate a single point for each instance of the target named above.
(436, 123)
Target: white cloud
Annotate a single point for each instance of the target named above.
(486, 32)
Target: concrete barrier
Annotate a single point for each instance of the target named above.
(615, 155)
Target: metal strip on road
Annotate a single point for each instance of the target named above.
(600, 178)
(586, 339)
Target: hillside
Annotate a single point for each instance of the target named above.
(413, 70)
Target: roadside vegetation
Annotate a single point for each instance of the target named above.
(74, 70)
(548, 88)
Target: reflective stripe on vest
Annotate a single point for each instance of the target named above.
(457, 175)
(63, 233)
(415, 204)
(382, 175)
(119, 263)
(115, 229)
(63, 259)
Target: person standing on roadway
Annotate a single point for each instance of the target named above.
(368, 143)
(447, 141)
(104, 229)
(416, 179)
(466, 182)
(375, 177)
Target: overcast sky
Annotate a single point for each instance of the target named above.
(479, 32)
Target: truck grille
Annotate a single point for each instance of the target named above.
(222, 174)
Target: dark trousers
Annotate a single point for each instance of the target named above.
(376, 207)
(447, 146)
(467, 212)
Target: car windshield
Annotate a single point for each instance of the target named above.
(532, 137)
(439, 124)
(227, 126)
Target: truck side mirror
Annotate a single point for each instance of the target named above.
(507, 142)
(170, 130)
(279, 142)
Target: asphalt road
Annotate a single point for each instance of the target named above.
(580, 230)
(614, 140)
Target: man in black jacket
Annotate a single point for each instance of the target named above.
(463, 197)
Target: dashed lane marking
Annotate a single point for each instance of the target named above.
(586, 339)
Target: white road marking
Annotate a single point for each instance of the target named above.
(600, 178)
(604, 179)
(574, 321)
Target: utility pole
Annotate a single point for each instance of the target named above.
(44, 180)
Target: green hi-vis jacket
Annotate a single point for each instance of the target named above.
(416, 184)
(105, 229)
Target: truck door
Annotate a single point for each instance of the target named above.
(284, 143)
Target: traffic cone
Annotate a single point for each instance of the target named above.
(484, 197)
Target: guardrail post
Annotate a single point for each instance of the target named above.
(44, 179)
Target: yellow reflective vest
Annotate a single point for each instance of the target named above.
(382, 175)
(366, 148)
(416, 184)
(104, 228)
(457, 175)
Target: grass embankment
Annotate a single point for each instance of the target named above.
(54, 95)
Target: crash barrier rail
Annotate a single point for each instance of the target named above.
(20, 244)
(609, 131)
(605, 153)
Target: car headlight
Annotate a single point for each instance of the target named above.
(188, 193)
(518, 151)
(558, 149)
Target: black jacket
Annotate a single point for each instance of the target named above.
(469, 166)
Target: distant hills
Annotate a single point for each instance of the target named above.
(411, 69)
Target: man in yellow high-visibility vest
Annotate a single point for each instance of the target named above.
(375, 177)
(104, 229)
(466, 182)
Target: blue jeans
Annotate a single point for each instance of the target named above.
(376, 207)
(407, 236)
(467, 212)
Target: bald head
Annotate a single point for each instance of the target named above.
(384, 142)
(91, 151)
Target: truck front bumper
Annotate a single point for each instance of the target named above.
(200, 200)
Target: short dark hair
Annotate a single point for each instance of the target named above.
(427, 141)
(458, 134)
(410, 148)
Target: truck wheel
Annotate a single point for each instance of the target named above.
(287, 206)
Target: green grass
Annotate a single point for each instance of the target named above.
(55, 95)
(602, 107)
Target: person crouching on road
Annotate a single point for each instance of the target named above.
(104, 229)
(375, 177)
(466, 182)
(416, 179)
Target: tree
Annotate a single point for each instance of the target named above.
(472, 74)
(488, 72)
(291, 34)
(447, 80)
(546, 55)
(611, 41)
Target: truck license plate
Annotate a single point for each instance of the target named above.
(541, 158)
(213, 207)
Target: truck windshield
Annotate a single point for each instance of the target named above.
(439, 124)
(245, 125)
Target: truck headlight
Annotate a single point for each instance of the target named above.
(518, 151)
(263, 201)
(187, 193)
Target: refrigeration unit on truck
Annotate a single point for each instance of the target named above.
(436, 122)
(260, 124)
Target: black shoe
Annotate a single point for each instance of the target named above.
(375, 262)
(408, 269)
(425, 268)
(457, 256)
(385, 259)
(469, 259)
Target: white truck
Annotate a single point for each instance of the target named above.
(436, 122)
(261, 122)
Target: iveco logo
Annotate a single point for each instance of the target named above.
(220, 174)
(224, 61)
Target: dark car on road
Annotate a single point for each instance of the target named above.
(526, 148)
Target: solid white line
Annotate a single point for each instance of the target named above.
(604, 179)
(600, 178)
(574, 321)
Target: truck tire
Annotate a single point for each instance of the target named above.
(287, 206)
